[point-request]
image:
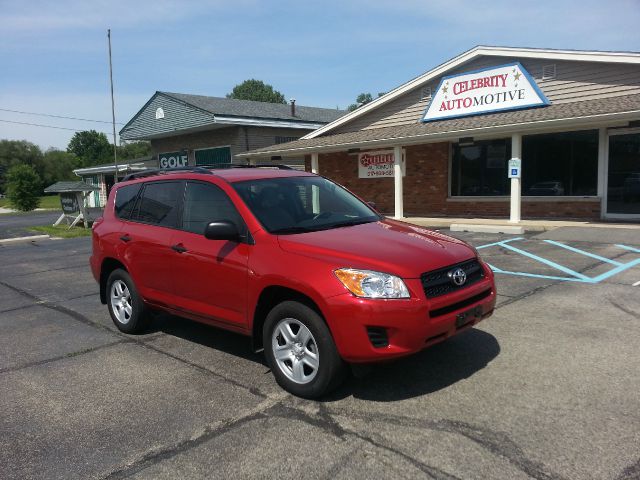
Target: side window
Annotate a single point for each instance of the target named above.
(158, 204)
(206, 203)
(126, 200)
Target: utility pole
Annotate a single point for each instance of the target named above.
(113, 112)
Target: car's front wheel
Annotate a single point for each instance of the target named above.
(300, 350)
(126, 307)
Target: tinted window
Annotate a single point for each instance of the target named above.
(480, 169)
(560, 164)
(303, 204)
(206, 203)
(126, 200)
(159, 204)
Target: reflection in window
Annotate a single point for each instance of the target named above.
(159, 204)
(560, 164)
(480, 169)
(204, 204)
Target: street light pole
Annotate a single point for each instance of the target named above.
(113, 112)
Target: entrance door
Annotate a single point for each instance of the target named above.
(623, 178)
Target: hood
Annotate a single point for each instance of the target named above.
(389, 246)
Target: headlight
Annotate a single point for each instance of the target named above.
(368, 284)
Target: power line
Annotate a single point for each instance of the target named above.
(45, 126)
(57, 116)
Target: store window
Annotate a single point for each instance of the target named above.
(560, 164)
(211, 157)
(480, 169)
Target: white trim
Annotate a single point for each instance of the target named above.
(263, 122)
(539, 126)
(605, 197)
(574, 55)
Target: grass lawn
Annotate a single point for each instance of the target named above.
(62, 231)
(49, 202)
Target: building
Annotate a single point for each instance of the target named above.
(102, 176)
(493, 132)
(209, 131)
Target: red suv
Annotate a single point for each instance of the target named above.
(311, 273)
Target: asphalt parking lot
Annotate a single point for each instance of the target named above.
(547, 388)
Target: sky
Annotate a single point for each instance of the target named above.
(54, 56)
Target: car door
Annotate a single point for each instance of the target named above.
(147, 239)
(210, 275)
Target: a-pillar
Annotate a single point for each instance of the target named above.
(397, 182)
(516, 199)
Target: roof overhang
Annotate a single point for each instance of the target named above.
(618, 119)
(226, 122)
(572, 55)
(109, 169)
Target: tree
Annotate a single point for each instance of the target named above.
(133, 150)
(363, 99)
(17, 152)
(57, 165)
(23, 187)
(256, 90)
(91, 147)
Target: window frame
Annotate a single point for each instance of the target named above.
(134, 212)
(245, 237)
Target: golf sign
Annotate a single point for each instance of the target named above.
(495, 89)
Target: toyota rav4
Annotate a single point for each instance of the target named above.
(312, 274)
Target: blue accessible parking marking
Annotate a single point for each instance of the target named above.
(573, 275)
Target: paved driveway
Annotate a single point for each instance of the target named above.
(17, 225)
(546, 388)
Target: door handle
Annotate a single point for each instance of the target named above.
(125, 238)
(178, 248)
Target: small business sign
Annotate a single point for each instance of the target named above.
(495, 89)
(69, 203)
(514, 168)
(377, 164)
(173, 159)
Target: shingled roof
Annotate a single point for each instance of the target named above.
(576, 113)
(248, 108)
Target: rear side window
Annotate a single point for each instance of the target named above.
(159, 204)
(126, 200)
(206, 203)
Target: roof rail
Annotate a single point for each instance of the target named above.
(164, 171)
(263, 165)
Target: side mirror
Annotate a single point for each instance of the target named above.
(373, 205)
(222, 230)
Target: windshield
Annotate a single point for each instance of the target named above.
(302, 204)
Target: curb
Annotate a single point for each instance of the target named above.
(30, 238)
(508, 229)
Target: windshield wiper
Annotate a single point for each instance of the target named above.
(348, 223)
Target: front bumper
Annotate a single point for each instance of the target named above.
(410, 324)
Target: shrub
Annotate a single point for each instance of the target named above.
(23, 187)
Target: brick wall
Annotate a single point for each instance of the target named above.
(426, 189)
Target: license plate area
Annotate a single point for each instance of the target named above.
(468, 317)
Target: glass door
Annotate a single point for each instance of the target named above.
(623, 178)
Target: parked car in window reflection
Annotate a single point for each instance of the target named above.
(544, 189)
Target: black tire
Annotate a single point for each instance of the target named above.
(137, 320)
(331, 369)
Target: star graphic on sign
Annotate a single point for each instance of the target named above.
(444, 89)
(517, 76)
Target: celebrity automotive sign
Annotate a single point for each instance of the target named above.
(378, 164)
(507, 87)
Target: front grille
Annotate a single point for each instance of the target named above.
(461, 304)
(378, 336)
(438, 283)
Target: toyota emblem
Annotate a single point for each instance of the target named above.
(458, 277)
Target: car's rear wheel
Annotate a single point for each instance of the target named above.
(127, 309)
(300, 350)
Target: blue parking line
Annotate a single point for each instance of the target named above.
(628, 248)
(555, 265)
(575, 276)
(582, 252)
(616, 270)
(501, 242)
